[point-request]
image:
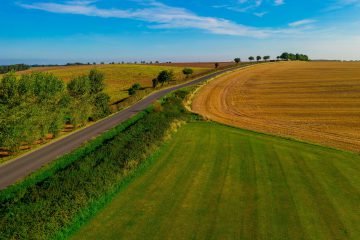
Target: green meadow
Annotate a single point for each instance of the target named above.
(216, 182)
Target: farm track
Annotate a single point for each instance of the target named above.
(316, 102)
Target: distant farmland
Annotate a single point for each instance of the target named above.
(118, 77)
(216, 182)
(198, 64)
(312, 101)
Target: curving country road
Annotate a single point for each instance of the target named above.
(21, 167)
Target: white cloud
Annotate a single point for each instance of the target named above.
(158, 14)
(338, 4)
(260, 14)
(301, 22)
(279, 2)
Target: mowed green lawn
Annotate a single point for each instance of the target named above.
(216, 182)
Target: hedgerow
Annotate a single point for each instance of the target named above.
(59, 198)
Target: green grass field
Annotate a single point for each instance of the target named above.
(118, 77)
(216, 182)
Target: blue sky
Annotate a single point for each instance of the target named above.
(59, 31)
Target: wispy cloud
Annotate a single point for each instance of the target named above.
(243, 6)
(157, 14)
(301, 22)
(260, 14)
(338, 4)
(279, 2)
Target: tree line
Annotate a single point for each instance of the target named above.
(38, 104)
(284, 56)
(293, 57)
(15, 67)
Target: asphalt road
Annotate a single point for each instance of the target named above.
(21, 167)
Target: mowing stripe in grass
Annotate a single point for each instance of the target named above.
(217, 182)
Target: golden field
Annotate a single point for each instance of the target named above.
(312, 101)
(118, 77)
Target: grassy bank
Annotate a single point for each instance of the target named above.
(217, 182)
(62, 196)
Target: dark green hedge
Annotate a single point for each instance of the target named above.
(56, 200)
(15, 67)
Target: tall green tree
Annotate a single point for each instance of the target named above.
(79, 86)
(237, 60)
(96, 79)
(8, 88)
(101, 105)
(165, 77)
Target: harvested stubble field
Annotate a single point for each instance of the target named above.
(312, 101)
(118, 77)
(217, 182)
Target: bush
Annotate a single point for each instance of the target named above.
(134, 88)
(188, 72)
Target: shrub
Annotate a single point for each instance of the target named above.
(187, 72)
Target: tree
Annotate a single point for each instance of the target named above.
(101, 105)
(187, 72)
(96, 80)
(258, 58)
(284, 56)
(134, 88)
(165, 76)
(155, 82)
(251, 58)
(8, 88)
(79, 86)
(292, 56)
(216, 65)
(266, 58)
(237, 60)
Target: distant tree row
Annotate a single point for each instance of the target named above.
(294, 57)
(259, 58)
(285, 56)
(15, 67)
(251, 59)
(39, 103)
